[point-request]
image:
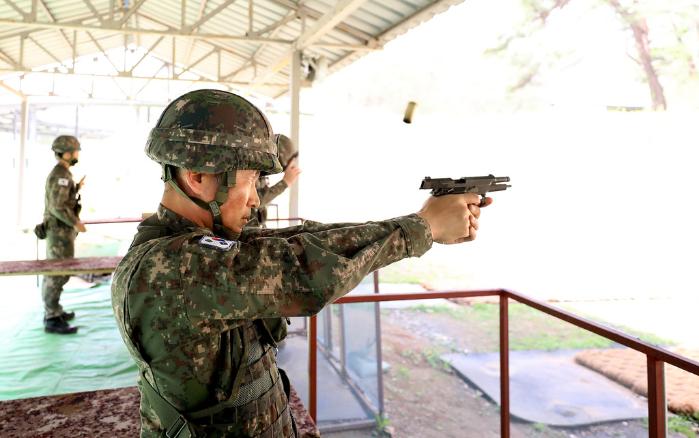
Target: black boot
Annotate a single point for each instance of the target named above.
(59, 326)
(67, 316)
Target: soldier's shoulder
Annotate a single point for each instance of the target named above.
(60, 175)
(156, 260)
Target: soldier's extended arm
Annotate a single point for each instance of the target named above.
(298, 275)
(469, 184)
(60, 204)
(267, 194)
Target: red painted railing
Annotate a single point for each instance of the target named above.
(656, 357)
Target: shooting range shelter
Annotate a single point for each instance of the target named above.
(131, 52)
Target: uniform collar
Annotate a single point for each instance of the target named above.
(173, 221)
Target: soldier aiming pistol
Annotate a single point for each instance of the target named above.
(469, 184)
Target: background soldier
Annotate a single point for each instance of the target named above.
(200, 302)
(62, 223)
(287, 157)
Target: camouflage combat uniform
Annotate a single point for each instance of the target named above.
(60, 217)
(189, 308)
(201, 314)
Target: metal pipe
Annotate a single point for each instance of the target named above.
(24, 133)
(379, 350)
(657, 423)
(504, 368)
(417, 296)
(295, 91)
(312, 367)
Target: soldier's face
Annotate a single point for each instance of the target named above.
(235, 212)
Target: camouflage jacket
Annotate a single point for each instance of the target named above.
(60, 198)
(267, 193)
(177, 298)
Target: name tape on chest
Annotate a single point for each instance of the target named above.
(217, 243)
(63, 182)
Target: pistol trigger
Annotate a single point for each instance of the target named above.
(482, 203)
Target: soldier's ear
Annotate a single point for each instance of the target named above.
(199, 184)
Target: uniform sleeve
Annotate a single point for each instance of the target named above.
(60, 200)
(267, 194)
(297, 274)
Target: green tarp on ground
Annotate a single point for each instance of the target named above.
(34, 363)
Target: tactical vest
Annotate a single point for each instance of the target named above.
(258, 405)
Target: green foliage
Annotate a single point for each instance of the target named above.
(683, 425)
(540, 427)
(432, 356)
(412, 356)
(403, 372)
(382, 424)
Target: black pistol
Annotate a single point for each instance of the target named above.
(469, 184)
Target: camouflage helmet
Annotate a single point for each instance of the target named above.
(287, 149)
(213, 131)
(65, 143)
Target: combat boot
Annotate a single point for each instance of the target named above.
(59, 326)
(67, 316)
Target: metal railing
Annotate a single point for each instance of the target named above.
(656, 357)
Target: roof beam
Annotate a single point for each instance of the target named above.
(194, 64)
(8, 59)
(133, 31)
(251, 61)
(92, 9)
(315, 15)
(150, 49)
(53, 18)
(212, 43)
(132, 10)
(339, 12)
(51, 55)
(17, 9)
(27, 71)
(209, 15)
(12, 90)
(103, 52)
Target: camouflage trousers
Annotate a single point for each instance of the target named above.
(59, 245)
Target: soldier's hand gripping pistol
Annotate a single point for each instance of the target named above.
(470, 184)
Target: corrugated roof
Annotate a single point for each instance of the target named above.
(234, 42)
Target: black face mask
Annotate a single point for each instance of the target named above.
(73, 161)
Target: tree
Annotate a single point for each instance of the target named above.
(676, 57)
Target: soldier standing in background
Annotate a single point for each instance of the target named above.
(62, 224)
(201, 301)
(288, 153)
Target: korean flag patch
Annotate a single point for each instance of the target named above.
(217, 243)
(63, 182)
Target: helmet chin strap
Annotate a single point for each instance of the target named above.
(226, 180)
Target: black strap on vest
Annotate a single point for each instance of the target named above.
(177, 425)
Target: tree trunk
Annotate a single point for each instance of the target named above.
(639, 27)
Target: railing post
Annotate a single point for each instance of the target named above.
(504, 368)
(379, 348)
(312, 366)
(657, 424)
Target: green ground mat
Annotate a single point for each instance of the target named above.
(34, 363)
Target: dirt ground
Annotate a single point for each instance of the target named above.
(424, 398)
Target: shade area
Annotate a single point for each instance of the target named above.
(36, 363)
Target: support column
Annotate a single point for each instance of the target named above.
(295, 91)
(23, 135)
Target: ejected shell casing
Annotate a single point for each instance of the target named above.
(408, 116)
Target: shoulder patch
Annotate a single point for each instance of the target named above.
(217, 243)
(63, 182)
